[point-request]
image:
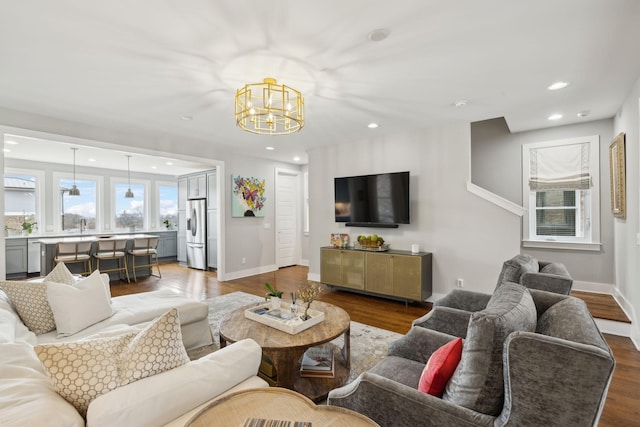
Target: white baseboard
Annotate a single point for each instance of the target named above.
(250, 272)
(434, 297)
(599, 288)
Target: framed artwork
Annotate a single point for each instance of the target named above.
(617, 176)
(247, 198)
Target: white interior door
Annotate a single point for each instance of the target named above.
(287, 236)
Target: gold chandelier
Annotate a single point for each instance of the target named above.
(268, 108)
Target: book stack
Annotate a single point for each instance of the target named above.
(318, 362)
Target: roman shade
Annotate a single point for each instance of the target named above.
(560, 167)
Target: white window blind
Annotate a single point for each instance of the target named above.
(561, 167)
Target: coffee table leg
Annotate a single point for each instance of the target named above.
(223, 342)
(286, 364)
(346, 349)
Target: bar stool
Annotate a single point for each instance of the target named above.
(113, 250)
(146, 247)
(74, 252)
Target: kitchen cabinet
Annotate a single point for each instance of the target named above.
(212, 191)
(168, 244)
(197, 186)
(393, 274)
(212, 220)
(182, 220)
(16, 258)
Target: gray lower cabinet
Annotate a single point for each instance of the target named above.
(16, 257)
(168, 245)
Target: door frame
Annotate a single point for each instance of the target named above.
(298, 229)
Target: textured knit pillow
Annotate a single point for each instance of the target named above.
(157, 348)
(30, 301)
(60, 274)
(80, 306)
(83, 370)
(440, 367)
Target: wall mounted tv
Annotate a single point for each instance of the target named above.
(380, 200)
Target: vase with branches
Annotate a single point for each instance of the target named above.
(308, 292)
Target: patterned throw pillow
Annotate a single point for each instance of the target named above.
(60, 274)
(30, 301)
(440, 367)
(83, 370)
(156, 349)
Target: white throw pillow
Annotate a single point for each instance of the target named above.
(79, 306)
(60, 274)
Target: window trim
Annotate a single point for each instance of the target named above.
(592, 242)
(56, 177)
(39, 189)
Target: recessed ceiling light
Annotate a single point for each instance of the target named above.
(6, 150)
(154, 167)
(372, 125)
(557, 85)
(169, 163)
(187, 118)
(269, 148)
(555, 117)
(11, 142)
(296, 159)
(583, 114)
(379, 34)
(91, 160)
(461, 103)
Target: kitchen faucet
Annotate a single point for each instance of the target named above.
(83, 225)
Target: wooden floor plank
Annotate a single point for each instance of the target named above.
(622, 407)
(602, 306)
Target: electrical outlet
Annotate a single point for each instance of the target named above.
(243, 261)
(460, 283)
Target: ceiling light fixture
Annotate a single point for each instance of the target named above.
(187, 118)
(10, 142)
(372, 125)
(269, 148)
(74, 191)
(557, 85)
(129, 193)
(268, 108)
(461, 103)
(296, 159)
(583, 114)
(555, 117)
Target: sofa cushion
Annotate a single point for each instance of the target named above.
(60, 274)
(477, 383)
(515, 267)
(30, 302)
(77, 307)
(160, 399)
(440, 367)
(83, 370)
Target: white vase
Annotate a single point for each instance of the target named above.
(275, 303)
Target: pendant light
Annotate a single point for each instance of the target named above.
(129, 193)
(74, 191)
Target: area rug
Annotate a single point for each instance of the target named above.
(368, 344)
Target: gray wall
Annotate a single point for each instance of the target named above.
(468, 236)
(627, 261)
(496, 165)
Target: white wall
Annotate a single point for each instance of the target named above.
(468, 236)
(627, 251)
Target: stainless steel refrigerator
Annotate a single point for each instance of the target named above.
(197, 234)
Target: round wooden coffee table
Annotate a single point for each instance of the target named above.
(239, 409)
(285, 350)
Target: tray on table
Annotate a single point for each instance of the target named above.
(282, 319)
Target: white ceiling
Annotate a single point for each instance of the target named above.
(139, 66)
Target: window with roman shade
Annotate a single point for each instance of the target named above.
(561, 192)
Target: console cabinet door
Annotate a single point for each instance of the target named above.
(353, 272)
(331, 267)
(379, 274)
(406, 274)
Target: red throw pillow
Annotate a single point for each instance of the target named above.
(440, 368)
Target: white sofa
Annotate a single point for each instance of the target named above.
(27, 396)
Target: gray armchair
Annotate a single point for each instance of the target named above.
(557, 375)
(534, 274)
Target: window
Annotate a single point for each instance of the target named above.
(20, 201)
(130, 212)
(75, 209)
(168, 204)
(561, 193)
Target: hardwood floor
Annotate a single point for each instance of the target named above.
(622, 407)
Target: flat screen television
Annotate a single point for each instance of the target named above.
(373, 200)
